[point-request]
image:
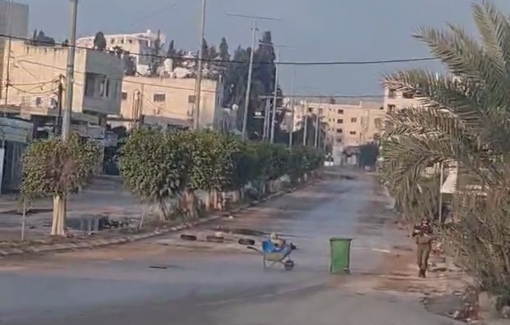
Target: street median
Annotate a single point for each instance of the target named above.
(90, 242)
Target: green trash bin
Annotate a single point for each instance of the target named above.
(340, 255)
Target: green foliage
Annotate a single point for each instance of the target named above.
(368, 154)
(53, 167)
(157, 165)
(463, 123)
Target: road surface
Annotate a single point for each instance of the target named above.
(116, 285)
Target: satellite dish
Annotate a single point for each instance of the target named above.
(235, 107)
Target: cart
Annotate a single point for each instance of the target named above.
(273, 255)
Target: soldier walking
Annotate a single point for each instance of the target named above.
(423, 236)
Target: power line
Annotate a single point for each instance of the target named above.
(362, 96)
(155, 13)
(291, 63)
(118, 79)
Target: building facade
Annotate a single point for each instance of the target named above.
(168, 102)
(13, 21)
(140, 44)
(35, 73)
(396, 99)
(349, 124)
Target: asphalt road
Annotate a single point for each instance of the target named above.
(116, 285)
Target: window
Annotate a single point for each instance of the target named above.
(352, 132)
(159, 98)
(191, 99)
(391, 93)
(354, 119)
(378, 122)
(339, 140)
(391, 108)
(96, 85)
(340, 111)
(339, 131)
(310, 109)
(381, 108)
(124, 95)
(38, 101)
(320, 111)
(339, 121)
(112, 41)
(104, 88)
(408, 94)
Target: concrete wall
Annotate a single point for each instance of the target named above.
(18, 22)
(35, 71)
(169, 98)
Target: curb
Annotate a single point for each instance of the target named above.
(137, 237)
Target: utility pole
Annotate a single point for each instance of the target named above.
(305, 131)
(275, 97)
(57, 129)
(8, 63)
(71, 51)
(291, 128)
(266, 119)
(250, 68)
(248, 86)
(198, 85)
(317, 126)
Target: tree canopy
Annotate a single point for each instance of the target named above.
(459, 124)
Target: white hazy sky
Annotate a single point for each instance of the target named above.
(317, 30)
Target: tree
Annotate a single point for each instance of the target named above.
(55, 168)
(263, 81)
(463, 121)
(224, 57)
(159, 165)
(212, 54)
(368, 154)
(34, 37)
(100, 42)
(170, 53)
(42, 40)
(224, 53)
(155, 166)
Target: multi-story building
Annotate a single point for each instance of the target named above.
(169, 102)
(396, 99)
(140, 44)
(35, 73)
(347, 124)
(13, 21)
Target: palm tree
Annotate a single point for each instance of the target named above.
(464, 117)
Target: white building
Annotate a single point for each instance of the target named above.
(97, 84)
(137, 43)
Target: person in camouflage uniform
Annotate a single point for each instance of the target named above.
(423, 235)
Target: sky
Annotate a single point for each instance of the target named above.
(306, 30)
